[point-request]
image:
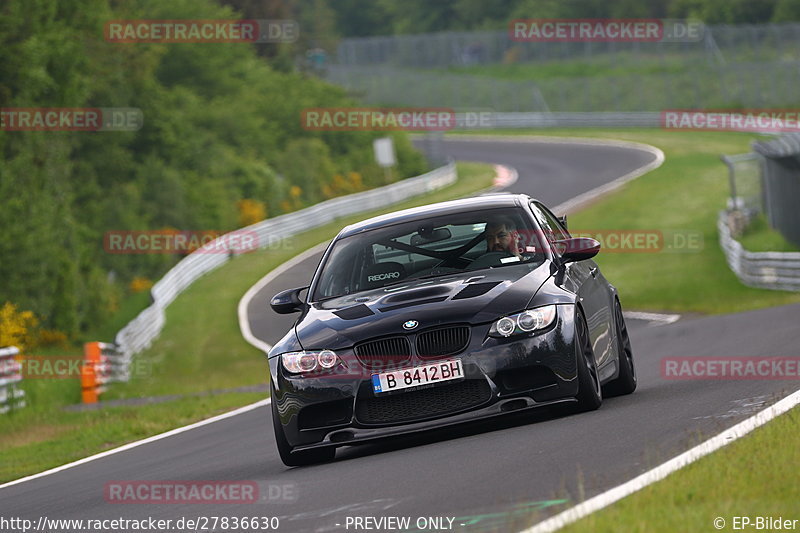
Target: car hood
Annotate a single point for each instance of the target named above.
(475, 297)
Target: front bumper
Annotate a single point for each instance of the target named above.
(501, 375)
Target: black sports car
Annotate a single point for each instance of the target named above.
(444, 314)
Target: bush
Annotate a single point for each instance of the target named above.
(17, 328)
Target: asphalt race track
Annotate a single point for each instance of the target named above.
(486, 477)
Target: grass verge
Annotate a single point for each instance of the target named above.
(200, 349)
(750, 477)
(682, 197)
(616, 64)
(759, 237)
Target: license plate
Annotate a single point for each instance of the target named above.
(418, 375)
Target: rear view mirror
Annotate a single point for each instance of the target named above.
(563, 220)
(577, 248)
(288, 301)
(427, 235)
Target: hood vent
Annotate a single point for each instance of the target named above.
(412, 303)
(354, 312)
(475, 289)
(416, 294)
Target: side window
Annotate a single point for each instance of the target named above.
(550, 224)
(555, 223)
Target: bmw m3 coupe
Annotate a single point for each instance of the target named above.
(443, 314)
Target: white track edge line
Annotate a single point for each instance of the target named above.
(664, 318)
(244, 302)
(130, 445)
(574, 203)
(581, 200)
(244, 327)
(660, 472)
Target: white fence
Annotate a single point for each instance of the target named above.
(11, 396)
(114, 365)
(141, 331)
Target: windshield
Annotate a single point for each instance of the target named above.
(449, 244)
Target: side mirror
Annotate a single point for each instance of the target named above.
(563, 220)
(577, 248)
(288, 301)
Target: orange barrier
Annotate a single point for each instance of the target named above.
(94, 372)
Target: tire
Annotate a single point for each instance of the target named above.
(590, 394)
(289, 458)
(625, 383)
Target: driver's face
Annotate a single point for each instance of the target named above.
(499, 239)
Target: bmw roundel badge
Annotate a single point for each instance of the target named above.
(410, 324)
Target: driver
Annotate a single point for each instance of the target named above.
(502, 236)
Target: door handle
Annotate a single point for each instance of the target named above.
(593, 272)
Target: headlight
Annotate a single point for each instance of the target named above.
(524, 322)
(299, 362)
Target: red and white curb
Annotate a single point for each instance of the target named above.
(504, 176)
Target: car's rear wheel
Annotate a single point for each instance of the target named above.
(301, 458)
(625, 383)
(590, 394)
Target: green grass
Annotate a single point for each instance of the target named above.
(754, 476)
(683, 195)
(759, 237)
(592, 82)
(200, 349)
(600, 65)
(130, 306)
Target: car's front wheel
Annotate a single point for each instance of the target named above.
(291, 458)
(590, 394)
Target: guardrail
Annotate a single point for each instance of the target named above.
(765, 270)
(139, 334)
(11, 396)
(615, 119)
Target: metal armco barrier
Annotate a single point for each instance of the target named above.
(102, 363)
(749, 198)
(616, 119)
(139, 334)
(11, 396)
(765, 270)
